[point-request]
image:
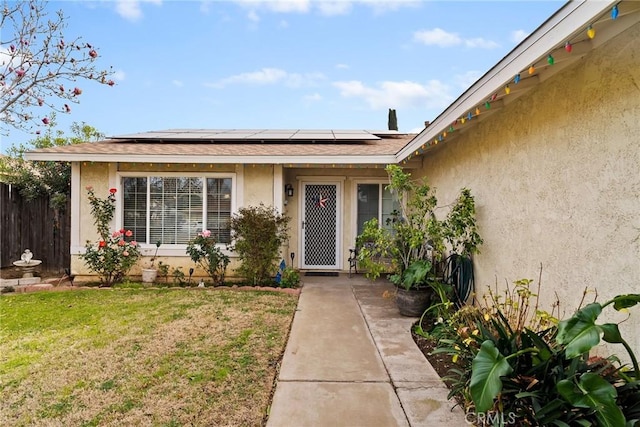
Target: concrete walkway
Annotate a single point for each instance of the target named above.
(351, 361)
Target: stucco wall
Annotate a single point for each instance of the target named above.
(556, 177)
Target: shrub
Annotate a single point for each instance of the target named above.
(258, 233)
(521, 362)
(290, 278)
(203, 251)
(115, 253)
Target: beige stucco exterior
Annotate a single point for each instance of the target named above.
(556, 178)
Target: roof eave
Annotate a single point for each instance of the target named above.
(554, 32)
(159, 158)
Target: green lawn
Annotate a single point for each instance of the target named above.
(140, 357)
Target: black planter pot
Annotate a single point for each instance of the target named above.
(413, 302)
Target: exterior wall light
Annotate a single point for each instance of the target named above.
(288, 189)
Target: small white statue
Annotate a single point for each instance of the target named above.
(26, 256)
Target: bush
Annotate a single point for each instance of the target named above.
(290, 278)
(115, 253)
(258, 233)
(203, 251)
(519, 361)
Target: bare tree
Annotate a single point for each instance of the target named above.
(36, 61)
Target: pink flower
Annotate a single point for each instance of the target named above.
(88, 188)
(93, 53)
(125, 253)
(116, 234)
(121, 243)
(128, 233)
(111, 82)
(205, 233)
(20, 72)
(77, 91)
(133, 243)
(45, 121)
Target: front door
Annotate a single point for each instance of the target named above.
(320, 225)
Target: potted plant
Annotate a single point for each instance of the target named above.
(414, 243)
(150, 273)
(461, 233)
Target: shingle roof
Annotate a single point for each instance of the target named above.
(382, 149)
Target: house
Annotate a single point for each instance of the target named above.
(548, 141)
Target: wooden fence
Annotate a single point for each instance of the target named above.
(34, 225)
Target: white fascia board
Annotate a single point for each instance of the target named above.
(278, 160)
(573, 16)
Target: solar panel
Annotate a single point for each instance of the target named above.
(220, 135)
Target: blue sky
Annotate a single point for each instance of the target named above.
(286, 64)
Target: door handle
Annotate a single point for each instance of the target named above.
(303, 225)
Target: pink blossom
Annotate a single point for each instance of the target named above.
(93, 53)
(77, 91)
(125, 253)
(128, 233)
(205, 233)
(116, 234)
(12, 47)
(45, 121)
(121, 243)
(111, 82)
(133, 243)
(20, 72)
(88, 188)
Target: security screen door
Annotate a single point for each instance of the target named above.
(320, 220)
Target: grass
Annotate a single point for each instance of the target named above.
(140, 357)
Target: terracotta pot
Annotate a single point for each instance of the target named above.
(149, 275)
(413, 302)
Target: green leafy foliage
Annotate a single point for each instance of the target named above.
(259, 233)
(488, 366)
(38, 178)
(514, 358)
(290, 278)
(115, 253)
(593, 392)
(204, 251)
(460, 228)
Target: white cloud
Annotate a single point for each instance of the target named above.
(442, 38)
(131, 10)
(518, 35)
(270, 76)
(326, 7)
(333, 8)
(437, 37)
(434, 94)
(342, 66)
(481, 43)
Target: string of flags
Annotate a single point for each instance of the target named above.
(473, 113)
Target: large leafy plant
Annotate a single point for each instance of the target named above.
(540, 371)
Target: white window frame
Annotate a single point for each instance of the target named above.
(167, 249)
(354, 214)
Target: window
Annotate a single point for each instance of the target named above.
(375, 201)
(173, 209)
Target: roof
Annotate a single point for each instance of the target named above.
(238, 146)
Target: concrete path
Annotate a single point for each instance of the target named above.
(351, 361)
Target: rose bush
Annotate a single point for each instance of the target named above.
(203, 251)
(113, 255)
